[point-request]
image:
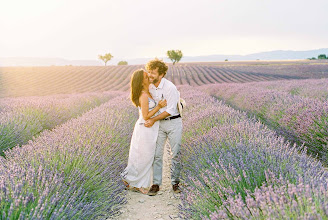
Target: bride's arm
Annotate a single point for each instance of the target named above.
(146, 114)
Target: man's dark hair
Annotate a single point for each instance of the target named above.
(153, 64)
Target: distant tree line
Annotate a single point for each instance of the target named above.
(320, 57)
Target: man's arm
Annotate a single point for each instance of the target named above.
(172, 101)
(151, 121)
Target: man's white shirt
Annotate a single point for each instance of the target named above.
(166, 90)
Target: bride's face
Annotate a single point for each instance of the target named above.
(145, 81)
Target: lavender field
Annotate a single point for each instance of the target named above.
(237, 168)
(24, 118)
(297, 109)
(71, 172)
(255, 141)
(41, 81)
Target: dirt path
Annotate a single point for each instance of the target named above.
(162, 206)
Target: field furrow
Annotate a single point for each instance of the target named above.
(202, 75)
(195, 76)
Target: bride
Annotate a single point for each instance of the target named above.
(137, 175)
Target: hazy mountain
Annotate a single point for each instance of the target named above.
(270, 55)
(35, 61)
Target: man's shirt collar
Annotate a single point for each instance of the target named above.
(160, 86)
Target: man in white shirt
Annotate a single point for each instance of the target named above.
(170, 126)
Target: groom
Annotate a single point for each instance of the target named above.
(170, 125)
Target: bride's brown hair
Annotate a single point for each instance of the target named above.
(136, 86)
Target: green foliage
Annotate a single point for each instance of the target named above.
(226, 60)
(322, 57)
(107, 57)
(122, 63)
(174, 55)
(295, 91)
(313, 58)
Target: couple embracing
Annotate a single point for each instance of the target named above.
(159, 120)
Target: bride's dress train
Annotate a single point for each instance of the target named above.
(138, 172)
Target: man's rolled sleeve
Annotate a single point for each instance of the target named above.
(172, 100)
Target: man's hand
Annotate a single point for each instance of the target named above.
(149, 123)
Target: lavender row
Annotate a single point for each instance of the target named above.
(299, 119)
(317, 69)
(71, 172)
(23, 118)
(234, 167)
(12, 104)
(310, 88)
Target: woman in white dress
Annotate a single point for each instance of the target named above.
(137, 175)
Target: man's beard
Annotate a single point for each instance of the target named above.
(155, 81)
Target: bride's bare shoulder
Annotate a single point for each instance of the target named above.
(143, 96)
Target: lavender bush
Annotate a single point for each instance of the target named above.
(23, 118)
(310, 88)
(300, 119)
(288, 201)
(71, 172)
(231, 158)
(317, 69)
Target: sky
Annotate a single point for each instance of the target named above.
(80, 29)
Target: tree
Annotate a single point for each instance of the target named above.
(322, 57)
(107, 57)
(226, 60)
(122, 63)
(174, 55)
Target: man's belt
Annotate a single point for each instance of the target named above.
(173, 117)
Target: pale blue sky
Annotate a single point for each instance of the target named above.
(78, 29)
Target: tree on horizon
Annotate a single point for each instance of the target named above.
(107, 57)
(122, 63)
(174, 55)
(322, 57)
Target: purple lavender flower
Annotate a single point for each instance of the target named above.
(236, 167)
(73, 170)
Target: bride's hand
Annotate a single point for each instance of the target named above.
(162, 103)
(149, 123)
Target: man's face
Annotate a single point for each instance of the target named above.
(154, 76)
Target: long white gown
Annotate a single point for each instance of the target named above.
(138, 172)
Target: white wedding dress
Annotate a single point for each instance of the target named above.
(138, 172)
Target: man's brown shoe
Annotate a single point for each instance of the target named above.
(176, 188)
(153, 190)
